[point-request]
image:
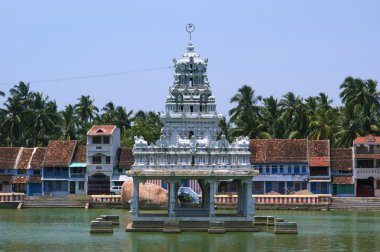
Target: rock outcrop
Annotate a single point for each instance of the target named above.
(149, 193)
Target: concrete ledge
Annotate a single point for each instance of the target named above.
(285, 228)
(9, 205)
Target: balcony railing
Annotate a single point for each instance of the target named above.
(77, 175)
(366, 172)
(55, 175)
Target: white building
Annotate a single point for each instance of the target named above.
(103, 142)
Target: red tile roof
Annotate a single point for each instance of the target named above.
(8, 157)
(101, 130)
(19, 180)
(80, 154)
(318, 161)
(126, 158)
(34, 179)
(59, 153)
(290, 150)
(38, 157)
(367, 139)
(341, 159)
(278, 150)
(26, 179)
(24, 158)
(318, 151)
(5, 178)
(342, 180)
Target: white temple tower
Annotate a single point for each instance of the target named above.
(189, 149)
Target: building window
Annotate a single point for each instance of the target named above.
(2, 171)
(378, 184)
(81, 185)
(96, 140)
(106, 140)
(267, 170)
(296, 169)
(108, 159)
(1, 187)
(289, 170)
(281, 169)
(303, 169)
(260, 169)
(36, 172)
(274, 169)
(97, 159)
(21, 171)
(19, 188)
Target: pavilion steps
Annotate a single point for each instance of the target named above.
(55, 202)
(354, 203)
(191, 226)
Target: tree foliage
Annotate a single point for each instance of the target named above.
(30, 118)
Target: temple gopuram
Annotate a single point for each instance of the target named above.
(191, 148)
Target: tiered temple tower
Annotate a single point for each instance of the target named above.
(189, 149)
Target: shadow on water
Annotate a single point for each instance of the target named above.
(68, 230)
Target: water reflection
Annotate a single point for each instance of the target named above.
(68, 230)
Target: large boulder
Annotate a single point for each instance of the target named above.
(148, 193)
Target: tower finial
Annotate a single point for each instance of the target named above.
(190, 28)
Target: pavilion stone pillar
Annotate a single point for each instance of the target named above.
(177, 186)
(240, 205)
(135, 198)
(249, 201)
(212, 192)
(172, 198)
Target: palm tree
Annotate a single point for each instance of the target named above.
(85, 109)
(324, 101)
(273, 126)
(357, 92)
(323, 125)
(294, 115)
(246, 113)
(44, 119)
(68, 123)
(351, 125)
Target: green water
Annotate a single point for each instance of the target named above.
(68, 230)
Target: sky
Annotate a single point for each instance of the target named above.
(275, 46)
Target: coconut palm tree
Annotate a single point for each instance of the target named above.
(246, 113)
(323, 125)
(85, 110)
(44, 119)
(68, 123)
(271, 123)
(294, 115)
(351, 125)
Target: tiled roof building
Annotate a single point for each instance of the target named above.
(59, 153)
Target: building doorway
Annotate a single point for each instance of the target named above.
(98, 184)
(364, 187)
(72, 187)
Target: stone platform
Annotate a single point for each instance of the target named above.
(216, 227)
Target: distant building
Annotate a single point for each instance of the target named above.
(78, 168)
(8, 156)
(366, 156)
(103, 143)
(341, 172)
(56, 171)
(287, 165)
(23, 173)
